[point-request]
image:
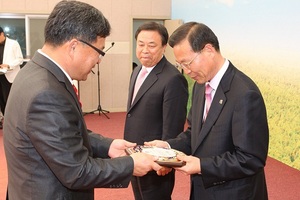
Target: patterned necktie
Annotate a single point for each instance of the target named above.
(76, 92)
(208, 99)
(139, 82)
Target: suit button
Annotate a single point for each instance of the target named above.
(129, 115)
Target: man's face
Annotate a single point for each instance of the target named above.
(2, 37)
(87, 59)
(198, 64)
(149, 49)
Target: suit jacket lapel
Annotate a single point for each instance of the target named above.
(213, 114)
(198, 108)
(131, 85)
(149, 81)
(217, 105)
(54, 69)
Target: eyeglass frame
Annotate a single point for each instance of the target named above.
(101, 53)
(186, 65)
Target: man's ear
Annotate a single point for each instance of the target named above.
(209, 47)
(71, 46)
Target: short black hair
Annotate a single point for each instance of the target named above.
(1, 30)
(154, 26)
(74, 19)
(197, 34)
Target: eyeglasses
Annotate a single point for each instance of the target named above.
(101, 53)
(186, 65)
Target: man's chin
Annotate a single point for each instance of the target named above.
(83, 78)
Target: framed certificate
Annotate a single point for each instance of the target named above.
(166, 157)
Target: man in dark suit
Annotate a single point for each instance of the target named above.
(50, 153)
(158, 109)
(228, 146)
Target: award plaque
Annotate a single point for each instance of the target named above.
(166, 157)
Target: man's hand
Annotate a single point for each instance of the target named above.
(143, 163)
(163, 171)
(118, 146)
(192, 165)
(157, 143)
(4, 66)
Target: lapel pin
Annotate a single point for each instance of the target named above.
(221, 101)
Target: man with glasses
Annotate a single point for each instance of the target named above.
(101, 53)
(227, 143)
(50, 153)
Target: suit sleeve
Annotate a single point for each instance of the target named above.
(57, 132)
(174, 106)
(100, 144)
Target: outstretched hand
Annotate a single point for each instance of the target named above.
(192, 165)
(143, 163)
(118, 146)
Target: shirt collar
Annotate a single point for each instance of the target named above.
(214, 83)
(67, 75)
(149, 69)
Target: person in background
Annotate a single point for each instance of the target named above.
(10, 60)
(49, 151)
(226, 144)
(158, 109)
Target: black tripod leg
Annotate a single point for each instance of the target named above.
(103, 111)
(99, 108)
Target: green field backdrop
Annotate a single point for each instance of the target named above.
(280, 87)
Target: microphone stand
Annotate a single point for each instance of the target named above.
(99, 108)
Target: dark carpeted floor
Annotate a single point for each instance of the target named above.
(283, 181)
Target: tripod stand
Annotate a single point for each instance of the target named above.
(99, 108)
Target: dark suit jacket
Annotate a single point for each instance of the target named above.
(159, 109)
(232, 144)
(158, 112)
(50, 154)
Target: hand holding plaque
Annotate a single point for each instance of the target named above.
(165, 157)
